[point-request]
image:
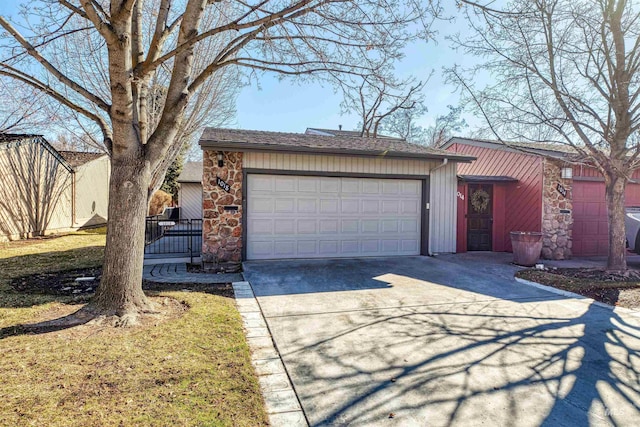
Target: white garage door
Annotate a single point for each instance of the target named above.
(324, 217)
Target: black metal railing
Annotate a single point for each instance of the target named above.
(172, 237)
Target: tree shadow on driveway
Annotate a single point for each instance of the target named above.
(529, 358)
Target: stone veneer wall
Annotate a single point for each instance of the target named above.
(556, 226)
(221, 230)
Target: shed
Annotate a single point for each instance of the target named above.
(274, 195)
(190, 191)
(43, 190)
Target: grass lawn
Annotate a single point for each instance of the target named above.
(193, 369)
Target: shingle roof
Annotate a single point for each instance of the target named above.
(340, 132)
(79, 158)
(251, 140)
(531, 147)
(191, 172)
(6, 137)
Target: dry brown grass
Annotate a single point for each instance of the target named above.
(193, 369)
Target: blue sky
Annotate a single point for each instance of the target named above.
(289, 106)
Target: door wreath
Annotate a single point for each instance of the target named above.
(480, 200)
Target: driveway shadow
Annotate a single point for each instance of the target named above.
(464, 348)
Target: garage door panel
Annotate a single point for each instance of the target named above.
(329, 247)
(370, 246)
(285, 205)
(262, 226)
(410, 245)
(307, 185)
(370, 226)
(306, 226)
(284, 226)
(349, 206)
(390, 206)
(410, 207)
(285, 184)
(349, 226)
(330, 185)
(307, 206)
(261, 205)
(329, 226)
(370, 187)
(263, 183)
(284, 248)
(349, 185)
(329, 206)
(350, 247)
(370, 207)
(332, 217)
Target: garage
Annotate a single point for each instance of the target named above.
(291, 216)
(590, 222)
(276, 195)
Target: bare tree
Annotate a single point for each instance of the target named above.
(22, 108)
(305, 38)
(377, 97)
(569, 71)
(444, 127)
(403, 123)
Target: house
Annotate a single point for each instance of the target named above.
(271, 195)
(190, 191)
(531, 187)
(190, 179)
(44, 191)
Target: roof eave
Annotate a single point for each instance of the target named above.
(505, 147)
(246, 146)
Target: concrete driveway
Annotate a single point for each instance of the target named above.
(448, 341)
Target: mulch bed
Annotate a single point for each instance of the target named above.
(610, 288)
(64, 283)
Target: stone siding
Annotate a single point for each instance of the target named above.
(221, 229)
(556, 226)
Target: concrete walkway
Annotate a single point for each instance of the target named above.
(445, 341)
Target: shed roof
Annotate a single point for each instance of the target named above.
(252, 140)
(191, 172)
(79, 158)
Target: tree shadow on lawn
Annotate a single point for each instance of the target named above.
(38, 296)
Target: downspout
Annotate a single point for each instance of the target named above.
(444, 163)
(73, 198)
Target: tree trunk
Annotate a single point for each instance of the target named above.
(615, 187)
(120, 290)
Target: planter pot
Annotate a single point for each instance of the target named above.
(527, 246)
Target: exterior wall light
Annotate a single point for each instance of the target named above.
(566, 173)
(220, 162)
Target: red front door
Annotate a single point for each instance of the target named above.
(479, 217)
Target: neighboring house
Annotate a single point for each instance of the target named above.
(190, 191)
(531, 187)
(345, 133)
(43, 190)
(271, 195)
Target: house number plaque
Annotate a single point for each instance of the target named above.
(561, 190)
(223, 184)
